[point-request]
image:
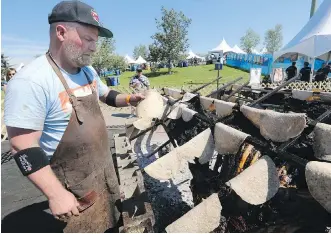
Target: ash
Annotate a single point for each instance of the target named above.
(170, 199)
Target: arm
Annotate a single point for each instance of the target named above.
(121, 99)
(25, 113)
(61, 201)
(113, 98)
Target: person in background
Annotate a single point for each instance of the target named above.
(291, 71)
(305, 72)
(139, 82)
(10, 73)
(322, 73)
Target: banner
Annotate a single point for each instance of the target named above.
(255, 76)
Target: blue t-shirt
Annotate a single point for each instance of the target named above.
(36, 99)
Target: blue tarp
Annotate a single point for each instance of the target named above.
(248, 61)
(265, 62)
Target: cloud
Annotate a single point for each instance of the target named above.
(20, 49)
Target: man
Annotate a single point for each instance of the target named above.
(55, 126)
(323, 72)
(291, 71)
(305, 72)
(139, 82)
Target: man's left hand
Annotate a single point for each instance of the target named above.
(136, 98)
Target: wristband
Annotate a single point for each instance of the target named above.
(31, 160)
(127, 99)
(111, 98)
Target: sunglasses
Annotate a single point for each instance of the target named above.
(11, 74)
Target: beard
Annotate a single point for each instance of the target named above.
(76, 56)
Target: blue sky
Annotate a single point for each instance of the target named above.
(25, 26)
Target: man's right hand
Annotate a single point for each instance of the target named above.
(64, 205)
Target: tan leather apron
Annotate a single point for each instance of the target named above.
(82, 162)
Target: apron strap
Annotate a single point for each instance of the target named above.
(89, 81)
(56, 69)
(72, 97)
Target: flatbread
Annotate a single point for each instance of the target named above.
(223, 108)
(174, 93)
(258, 183)
(165, 167)
(301, 94)
(143, 124)
(322, 141)
(177, 111)
(152, 106)
(318, 177)
(187, 114)
(203, 218)
(279, 127)
(206, 102)
(253, 114)
(228, 139)
(201, 146)
(187, 97)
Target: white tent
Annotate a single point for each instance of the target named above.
(314, 39)
(255, 51)
(128, 59)
(237, 50)
(140, 60)
(19, 67)
(223, 46)
(193, 55)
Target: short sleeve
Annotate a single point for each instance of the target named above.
(25, 105)
(102, 88)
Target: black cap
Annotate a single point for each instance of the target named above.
(139, 70)
(76, 11)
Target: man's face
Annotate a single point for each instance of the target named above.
(80, 44)
(139, 73)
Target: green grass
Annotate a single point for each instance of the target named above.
(186, 75)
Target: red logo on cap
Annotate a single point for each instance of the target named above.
(95, 16)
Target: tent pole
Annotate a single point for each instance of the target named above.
(313, 7)
(312, 71)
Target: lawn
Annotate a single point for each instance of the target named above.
(182, 76)
(186, 75)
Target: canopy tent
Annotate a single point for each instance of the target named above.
(223, 46)
(255, 51)
(19, 67)
(237, 50)
(193, 55)
(128, 59)
(314, 39)
(140, 60)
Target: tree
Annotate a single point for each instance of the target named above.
(118, 62)
(249, 41)
(103, 56)
(171, 38)
(4, 65)
(273, 39)
(140, 50)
